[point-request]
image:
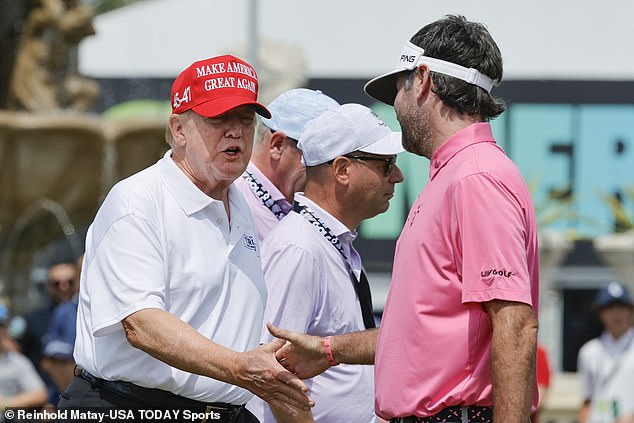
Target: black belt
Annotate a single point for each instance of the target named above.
(161, 399)
(453, 415)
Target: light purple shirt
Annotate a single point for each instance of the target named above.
(311, 291)
(264, 219)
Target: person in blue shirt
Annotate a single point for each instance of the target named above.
(59, 340)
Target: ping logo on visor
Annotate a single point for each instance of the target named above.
(413, 56)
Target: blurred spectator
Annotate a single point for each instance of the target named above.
(606, 363)
(59, 341)
(20, 385)
(60, 287)
(543, 380)
(8, 342)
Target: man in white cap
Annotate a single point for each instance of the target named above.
(350, 157)
(275, 172)
(172, 292)
(606, 363)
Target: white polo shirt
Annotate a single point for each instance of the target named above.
(606, 371)
(311, 291)
(159, 242)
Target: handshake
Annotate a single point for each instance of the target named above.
(276, 369)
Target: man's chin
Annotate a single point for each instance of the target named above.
(413, 148)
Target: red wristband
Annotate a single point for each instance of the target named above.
(329, 356)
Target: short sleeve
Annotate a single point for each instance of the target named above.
(59, 340)
(30, 380)
(125, 274)
(490, 233)
(584, 371)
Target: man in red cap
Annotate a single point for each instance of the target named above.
(172, 292)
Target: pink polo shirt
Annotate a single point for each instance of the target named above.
(470, 237)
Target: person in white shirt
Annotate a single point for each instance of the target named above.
(20, 385)
(606, 364)
(275, 171)
(172, 293)
(313, 273)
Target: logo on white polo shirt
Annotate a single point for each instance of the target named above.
(249, 242)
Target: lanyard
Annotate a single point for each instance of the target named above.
(263, 195)
(324, 230)
(616, 364)
(361, 286)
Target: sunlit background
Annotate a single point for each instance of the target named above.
(84, 95)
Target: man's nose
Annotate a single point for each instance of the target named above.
(396, 176)
(234, 128)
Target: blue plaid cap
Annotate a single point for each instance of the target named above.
(293, 109)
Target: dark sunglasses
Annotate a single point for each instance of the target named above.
(56, 283)
(389, 161)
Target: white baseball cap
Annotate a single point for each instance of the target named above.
(383, 87)
(293, 109)
(350, 127)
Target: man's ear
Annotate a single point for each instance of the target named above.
(341, 169)
(423, 83)
(276, 144)
(177, 129)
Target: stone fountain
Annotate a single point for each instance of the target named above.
(57, 160)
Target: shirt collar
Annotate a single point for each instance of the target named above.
(337, 228)
(618, 345)
(276, 194)
(472, 134)
(187, 195)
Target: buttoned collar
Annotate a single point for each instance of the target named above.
(337, 228)
(472, 134)
(187, 195)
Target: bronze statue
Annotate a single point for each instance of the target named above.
(45, 76)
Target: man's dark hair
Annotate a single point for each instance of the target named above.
(469, 44)
(62, 256)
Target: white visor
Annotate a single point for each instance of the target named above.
(383, 87)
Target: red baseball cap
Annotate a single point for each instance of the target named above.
(214, 86)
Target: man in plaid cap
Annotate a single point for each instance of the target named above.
(172, 293)
(275, 172)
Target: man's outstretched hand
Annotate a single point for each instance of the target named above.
(259, 372)
(303, 354)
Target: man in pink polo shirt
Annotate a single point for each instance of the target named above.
(459, 330)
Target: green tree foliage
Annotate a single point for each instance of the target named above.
(623, 219)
